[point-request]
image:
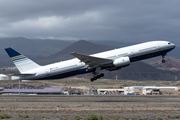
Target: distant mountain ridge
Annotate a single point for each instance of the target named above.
(171, 64)
(119, 44)
(33, 47)
(81, 46)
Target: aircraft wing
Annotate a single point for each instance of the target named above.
(21, 75)
(92, 61)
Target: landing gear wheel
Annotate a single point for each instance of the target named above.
(163, 56)
(102, 75)
(93, 79)
(97, 77)
(163, 61)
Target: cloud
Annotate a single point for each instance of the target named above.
(92, 20)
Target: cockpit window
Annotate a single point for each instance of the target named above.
(169, 43)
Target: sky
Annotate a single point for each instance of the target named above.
(116, 20)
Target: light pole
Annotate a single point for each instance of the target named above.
(176, 77)
(116, 77)
(19, 87)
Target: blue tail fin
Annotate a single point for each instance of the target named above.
(22, 63)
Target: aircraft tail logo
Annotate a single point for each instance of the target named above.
(22, 63)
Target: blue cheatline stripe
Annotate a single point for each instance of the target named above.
(74, 70)
(64, 75)
(11, 52)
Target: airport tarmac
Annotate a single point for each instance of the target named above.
(95, 97)
(88, 98)
(122, 107)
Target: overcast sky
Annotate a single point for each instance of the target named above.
(117, 20)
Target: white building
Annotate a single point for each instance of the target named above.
(110, 91)
(162, 90)
(136, 90)
(150, 90)
(4, 77)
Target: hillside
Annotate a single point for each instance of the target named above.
(81, 46)
(143, 71)
(175, 53)
(138, 71)
(171, 64)
(114, 43)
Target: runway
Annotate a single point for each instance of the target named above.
(90, 101)
(87, 98)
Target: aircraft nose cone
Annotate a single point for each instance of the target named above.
(173, 45)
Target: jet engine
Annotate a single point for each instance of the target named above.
(119, 63)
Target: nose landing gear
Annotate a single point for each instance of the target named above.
(163, 60)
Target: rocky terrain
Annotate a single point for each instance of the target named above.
(171, 64)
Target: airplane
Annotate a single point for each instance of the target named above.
(109, 60)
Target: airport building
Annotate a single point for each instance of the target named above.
(160, 91)
(134, 90)
(110, 91)
(30, 91)
(150, 90)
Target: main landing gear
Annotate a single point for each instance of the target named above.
(96, 74)
(163, 60)
(97, 77)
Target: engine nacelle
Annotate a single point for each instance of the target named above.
(119, 63)
(123, 61)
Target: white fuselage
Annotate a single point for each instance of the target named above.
(75, 66)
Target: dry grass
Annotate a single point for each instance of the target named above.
(67, 110)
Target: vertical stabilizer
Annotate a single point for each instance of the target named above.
(22, 63)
